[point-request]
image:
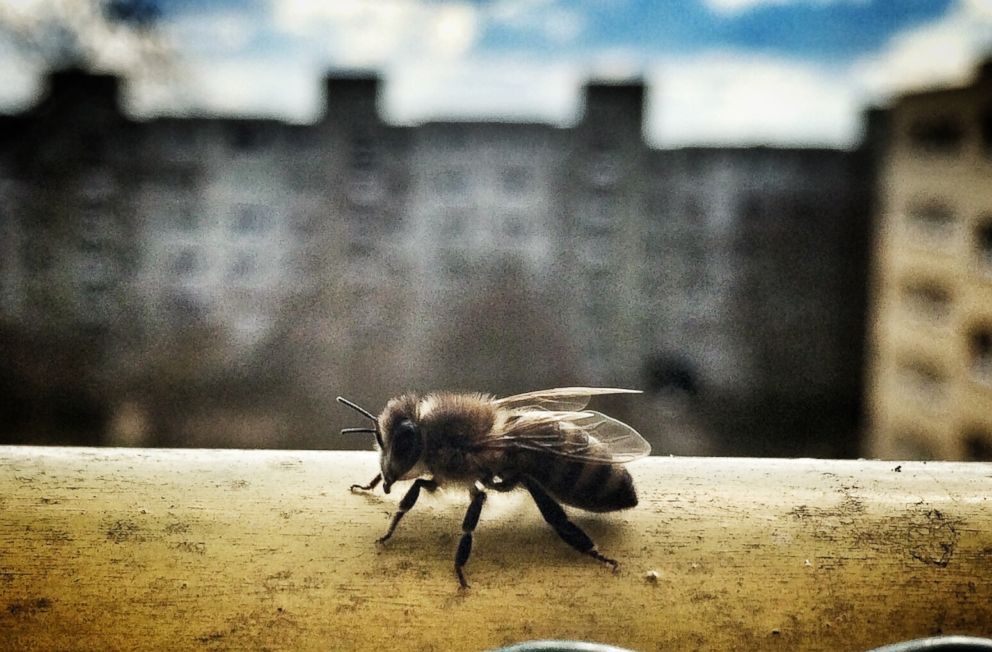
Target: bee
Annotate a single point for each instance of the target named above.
(544, 441)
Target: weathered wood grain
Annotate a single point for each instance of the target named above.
(105, 549)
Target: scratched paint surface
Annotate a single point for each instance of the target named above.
(105, 549)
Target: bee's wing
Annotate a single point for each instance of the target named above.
(568, 399)
(585, 436)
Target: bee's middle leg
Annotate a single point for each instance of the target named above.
(468, 527)
(570, 533)
(409, 500)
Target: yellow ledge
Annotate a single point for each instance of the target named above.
(105, 549)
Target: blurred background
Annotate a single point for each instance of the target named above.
(773, 216)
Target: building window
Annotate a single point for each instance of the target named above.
(983, 241)
(249, 219)
(97, 185)
(95, 302)
(658, 205)
(360, 250)
(603, 170)
(980, 352)
(931, 219)
(453, 225)
(362, 153)
(185, 308)
(366, 190)
(596, 255)
(304, 223)
(515, 226)
(598, 212)
(515, 179)
(938, 134)
(450, 182)
(186, 263)
(751, 209)
(186, 217)
(927, 299)
(978, 445)
(176, 179)
(36, 255)
(245, 137)
(304, 178)
(95, 227)
(922, 379)
(455, 263)
(693, 211)
(243, 267)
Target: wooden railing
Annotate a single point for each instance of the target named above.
(105, 549)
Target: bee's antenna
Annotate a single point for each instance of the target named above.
(375, 422)
(345, 401)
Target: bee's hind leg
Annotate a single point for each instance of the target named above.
(570, 533)
(373, 483)
(468, 527)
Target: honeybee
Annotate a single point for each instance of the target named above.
(545, 441)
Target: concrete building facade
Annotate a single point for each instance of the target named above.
(931, 329)
(763, 253)
(482, 255)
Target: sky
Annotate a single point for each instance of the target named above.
(787, 72)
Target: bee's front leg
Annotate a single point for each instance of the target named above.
(409, 500)
(370, 486)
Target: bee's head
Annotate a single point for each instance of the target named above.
(402, 443)
(397, 436)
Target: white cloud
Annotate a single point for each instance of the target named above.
(21, 82)
(362, 33)
(224, 32)
(454, 29)
(615, 64)
(741, 97)
(429, 55)
(734, 7)
(727, 7)
(716, 98)
(942, 52)
(284, 89)
(735, 98)
(54, 33)
(482, 88)
(558, 22)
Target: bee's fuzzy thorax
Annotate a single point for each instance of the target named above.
(454, 424)
(453, 402)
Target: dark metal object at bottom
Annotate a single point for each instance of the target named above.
(935, 644)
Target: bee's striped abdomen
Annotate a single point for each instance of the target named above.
(591, 486)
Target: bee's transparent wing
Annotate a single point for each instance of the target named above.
(567, 399)
(585, 436)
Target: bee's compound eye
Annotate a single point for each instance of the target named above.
(405, 430)
(406, 438)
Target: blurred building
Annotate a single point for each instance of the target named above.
(757, 259)
(931, 335)
(496, 256)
